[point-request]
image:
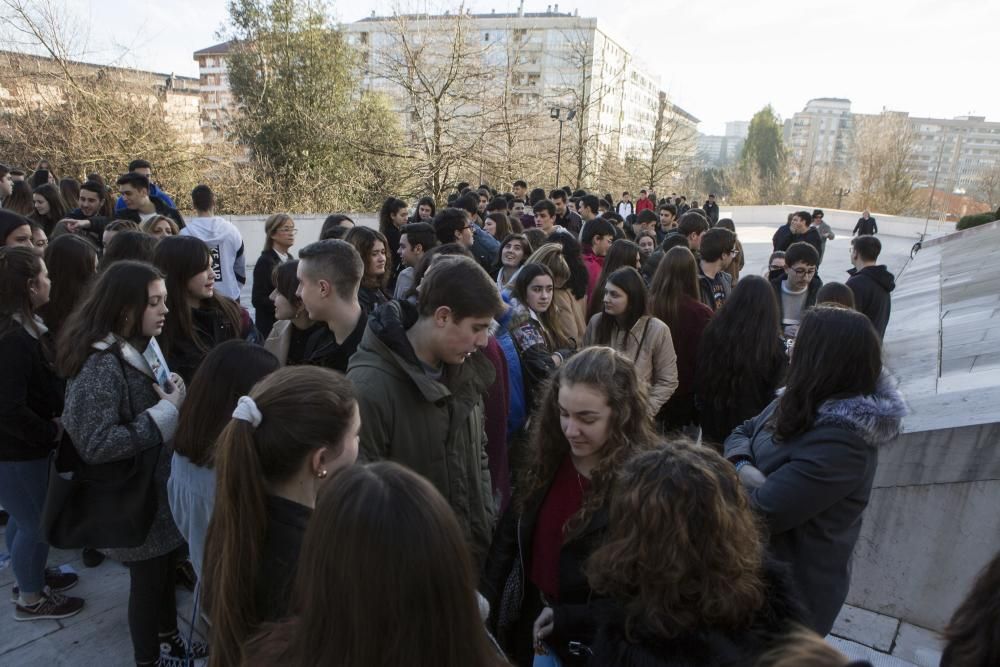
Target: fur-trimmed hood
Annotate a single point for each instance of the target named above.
(876, 417)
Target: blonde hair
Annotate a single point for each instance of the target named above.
(148, 225)
(550, 255)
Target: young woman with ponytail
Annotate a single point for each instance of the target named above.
(297, 426)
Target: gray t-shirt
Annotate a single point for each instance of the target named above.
(792, 305)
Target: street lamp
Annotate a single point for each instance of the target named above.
(556, 113)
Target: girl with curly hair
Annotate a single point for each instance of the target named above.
(684, 563)
(591, 419)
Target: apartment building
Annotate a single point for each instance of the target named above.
(957, 150)
(554, 59)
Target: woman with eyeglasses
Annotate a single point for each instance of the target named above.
(280, 231)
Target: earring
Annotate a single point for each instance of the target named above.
(322, 473)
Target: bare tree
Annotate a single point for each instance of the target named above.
(439, 73)
(587, 81)
(80, 117)
(883, 147)
(987, 185)
(672, 146)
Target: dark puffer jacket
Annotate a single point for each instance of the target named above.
(817, 489)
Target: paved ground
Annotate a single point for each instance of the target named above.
(98, 635)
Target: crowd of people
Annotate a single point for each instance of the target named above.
(533, 428)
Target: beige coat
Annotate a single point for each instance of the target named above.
(279, 340)
(655, 361)
(571, 314)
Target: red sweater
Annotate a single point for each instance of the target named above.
(594, 264)
(563, 500)
(643, 204)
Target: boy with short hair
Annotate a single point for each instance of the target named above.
(420, 378)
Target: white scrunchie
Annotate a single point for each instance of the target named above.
(248, 411)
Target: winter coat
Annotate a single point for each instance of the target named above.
(866, 227)
(625, 208)
(484, 248)
(570, 313)
(784, 237)
(154, 191)
(517, 412)
(191, 493)
(706, 288)
(322, 348)
(434, 427)
(279, 342)
(533, 347)
(649, 346)
(686, 335)
(643, 204)
(260, 296)
(162, 208)
(497, 407)
(225, 245)
(371, 298)
(712, 212)
(94, 233)
(514, 599)
(210, 327)
(706, 646)
(111, 414)
(31, 394)
(818, 485)
(872, 286)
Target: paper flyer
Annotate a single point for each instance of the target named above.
(154, 357)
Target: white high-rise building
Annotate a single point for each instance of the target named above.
(819, 135)
(557, 53)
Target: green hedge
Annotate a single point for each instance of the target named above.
(975, 220)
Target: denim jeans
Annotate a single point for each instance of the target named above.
(22, 494)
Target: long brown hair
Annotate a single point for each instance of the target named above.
(181, 258)
(363, 239)
(229, 370)
(555, 338)
(622, 253)
(18, 268)
(629, 432)
(383, 550)
(837, 355)
(675, 280)
(972, 632)
(684, 550)
(72, 264)
(304, 408)
(57, 207)
(115, 305)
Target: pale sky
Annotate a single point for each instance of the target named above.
(720, 60)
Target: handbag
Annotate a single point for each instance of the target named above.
(106, 505)
(103, 505)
